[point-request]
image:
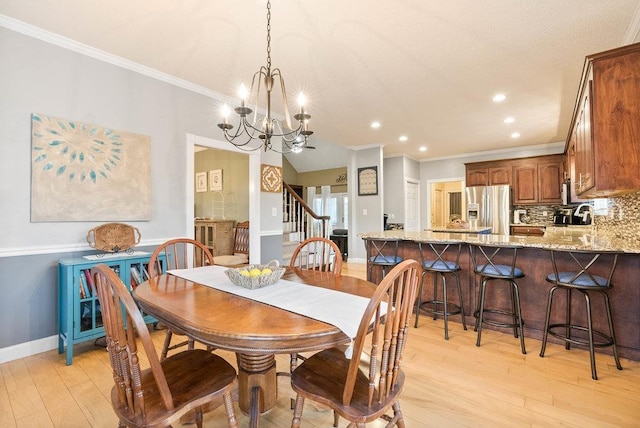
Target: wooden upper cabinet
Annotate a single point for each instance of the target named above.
(525, 184)
(491, 173)
(606, 124)
(535, 180)
(500, 175)
(550, 178)
(477, 176)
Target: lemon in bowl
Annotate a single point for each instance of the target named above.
(255, 276)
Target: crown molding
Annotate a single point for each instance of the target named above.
(81, 48)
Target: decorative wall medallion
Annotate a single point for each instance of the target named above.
(271, 178)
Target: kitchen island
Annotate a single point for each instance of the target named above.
(534, 259)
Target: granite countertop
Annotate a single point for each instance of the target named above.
(569, 238)
(461, 230)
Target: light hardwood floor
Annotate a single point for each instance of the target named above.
(449, 384)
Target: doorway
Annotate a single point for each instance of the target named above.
(254, 185)
(446, 202)
(412, 206)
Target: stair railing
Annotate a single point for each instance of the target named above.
(300, 219)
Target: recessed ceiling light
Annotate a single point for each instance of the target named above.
(375, 125)
(498, 98)
(423, 149)
(403, 138)
(515, 135)
(509, 120)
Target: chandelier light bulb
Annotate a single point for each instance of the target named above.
(225, 111)
(302, 100)
(243, 93)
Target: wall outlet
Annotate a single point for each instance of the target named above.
(544, 213)
(364, 211)
(274, 212)
(393, 216)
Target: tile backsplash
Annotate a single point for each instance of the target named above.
(623, 219)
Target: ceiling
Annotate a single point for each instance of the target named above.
(424, 69)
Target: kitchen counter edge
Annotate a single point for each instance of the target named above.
(554, 238)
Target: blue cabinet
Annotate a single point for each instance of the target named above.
(79, 314)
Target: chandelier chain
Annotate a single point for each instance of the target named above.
(268, 35)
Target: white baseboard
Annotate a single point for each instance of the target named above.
(27, 349)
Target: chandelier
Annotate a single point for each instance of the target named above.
(252, 128)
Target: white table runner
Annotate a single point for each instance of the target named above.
(339, 309)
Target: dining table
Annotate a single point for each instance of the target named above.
(203, 304)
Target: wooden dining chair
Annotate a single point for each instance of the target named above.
(366, 386)
(160, 395)
(179, 253)
(317, 253)
(240, 254)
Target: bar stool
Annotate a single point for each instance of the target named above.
(489, 263)
(581, 276)
(441, 258)
(383, 253)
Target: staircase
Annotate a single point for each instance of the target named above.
(299, 222)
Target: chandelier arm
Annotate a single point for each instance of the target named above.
(290, 135)
(241, 146)
(287, 116)
(258, 76)
(244, 128)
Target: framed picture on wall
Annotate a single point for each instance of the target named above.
(201, 181)
(215, 180)
(368, 181)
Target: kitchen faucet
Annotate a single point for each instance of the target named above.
(587, 215)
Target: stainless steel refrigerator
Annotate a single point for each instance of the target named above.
(489, 206)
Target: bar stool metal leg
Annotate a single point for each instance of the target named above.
(518, 312)
(612, 331)
(479, 319)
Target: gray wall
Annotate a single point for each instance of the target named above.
(394, 189)
(40, 77)
(359, 222)
(396, 171)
